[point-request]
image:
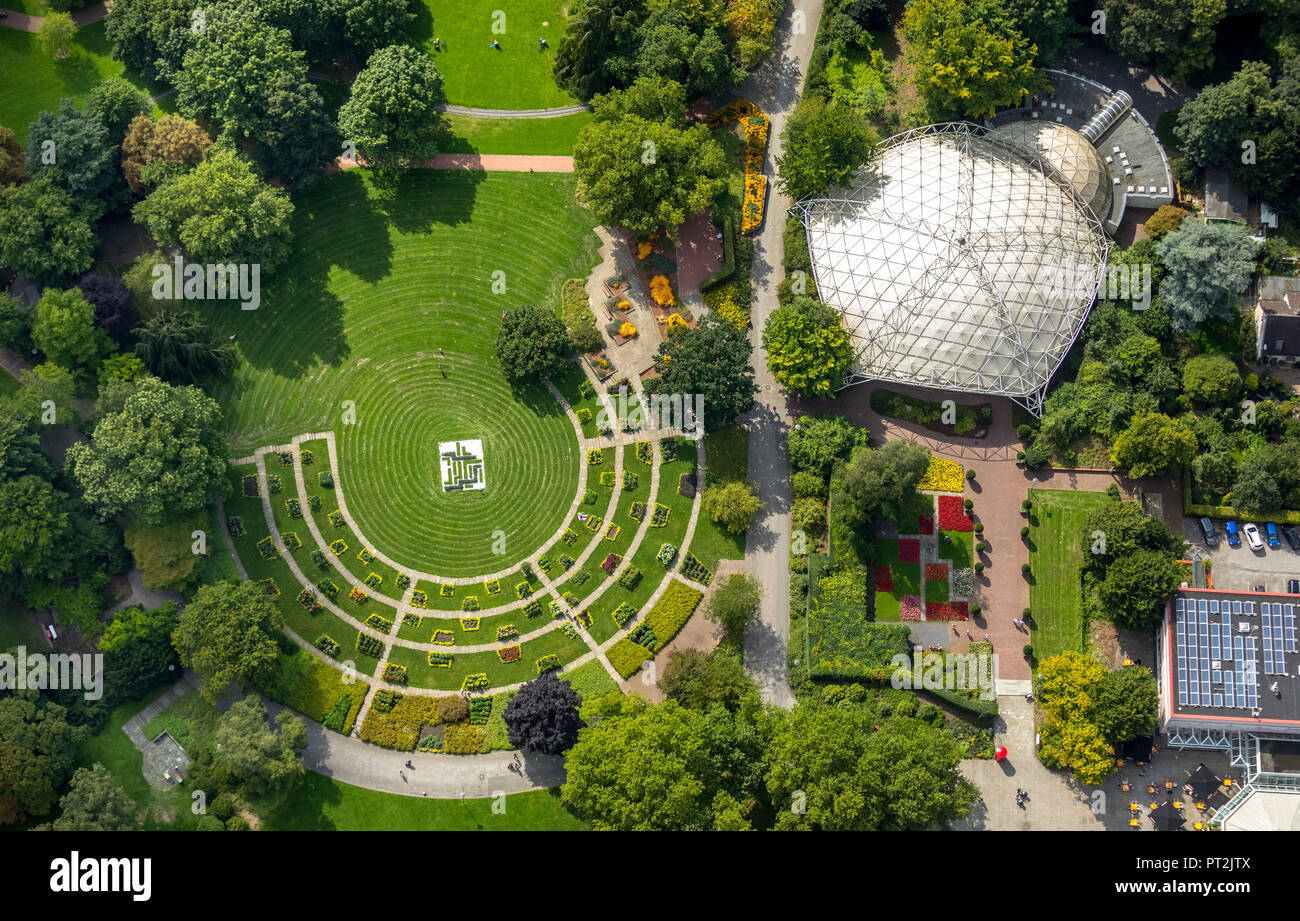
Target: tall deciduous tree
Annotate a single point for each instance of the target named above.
(74, 149)
(180, 348)
(227, 634)
(369, 25)
(391, 114)
(734, 605)
(816, 442)
(532, 342)
(38, 750)
(711, 360)
(65, 329)
(823, 143)
(543, 716)
(57, 34)
(1153, 444)
(12, 170)
(882, 481)
(257, 758)
(599, 46)
(170, 139)
(151, 36)
(221, 212)
(95, 801)
(731, 504)
(115, 103)
(156, 457)
(808, 350)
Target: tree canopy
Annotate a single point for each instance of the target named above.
(227, 634)
(543, 716)
(882, 481)
(38, 750)
(391, 114)
(822, 145)
(44, 233)
(532, 342)
(808, 349)
(711, 360)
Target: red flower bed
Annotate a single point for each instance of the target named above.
(947, 610)
(909, 551)
(936, 572)
(952, 515)
(925, 524)
(884, 579)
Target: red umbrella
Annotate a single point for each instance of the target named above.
(1000, 753)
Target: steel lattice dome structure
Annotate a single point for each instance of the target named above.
(961, 259)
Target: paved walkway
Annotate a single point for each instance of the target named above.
(25, 23)
(146, 598)
(475, 112)
(775, 88)
(513, 163)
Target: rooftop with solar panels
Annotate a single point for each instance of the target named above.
(1231, 661)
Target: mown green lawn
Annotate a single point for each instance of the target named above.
(726, 456)
(323, 804)
(539, 136)
(348, 338)
(515, 76)
(1055, 556)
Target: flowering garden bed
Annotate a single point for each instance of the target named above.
(952, 515)
(884, 579)
(947, 610)
(909, 551)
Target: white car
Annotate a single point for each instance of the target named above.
(1251, 530)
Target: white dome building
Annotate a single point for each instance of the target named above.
(1071, 153)
(961, 260)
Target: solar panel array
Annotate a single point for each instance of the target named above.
(1278, 623)
(1216, 667)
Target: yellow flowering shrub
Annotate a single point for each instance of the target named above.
(943, 475)
(622, 305)
(627, 330)
(751, 210)
(643, 249)
(676, 320)
(662, 291)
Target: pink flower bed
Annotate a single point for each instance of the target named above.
(936, 572)
(947, 610)
(884, 579)
(909, 607)
(909, 551)
(925, 524)
(952, 515)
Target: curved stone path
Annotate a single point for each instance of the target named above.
(25, 23)
(475, 112)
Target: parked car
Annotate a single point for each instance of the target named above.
(1293, 587)
(1234, 538)
(1251, 530)
(1271, 530)
(1207, 530)
(1292, 537)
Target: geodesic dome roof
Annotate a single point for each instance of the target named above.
(959, 260)
(1071, 153)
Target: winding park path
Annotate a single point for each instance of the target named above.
(25, 23)
(775, 88)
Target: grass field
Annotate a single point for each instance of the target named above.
(323, 804)
(184, 719)
(1056, 550)
(8, 384)
(515, 76)
(726, 457)
(44, 81)
(539, 136)
(380, 280)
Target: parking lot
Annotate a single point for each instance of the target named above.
(1241, 568)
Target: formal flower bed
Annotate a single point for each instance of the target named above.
(339, 547)
(589, 497)
(469, 624)
(694, 570)
(947, 610)
(661, 289)
(943, 475)
(306, 456)
(270, 587)
(394, 674)
(667, 553)
(608, 478)
(443, 638)
(273, 483)
(584, 619)
(557, 610)
(510, 653)
(492, 586)
(266, 547)
(507, 632)
(610, 563)
(594, 522)
(630, 479)
(963, 581)
(358, 595)
(374, 580)
(475, 682)
(623, 613)
(548, 663)
(630, 577)
(307, 599)
(884, 579)
(336, 519)
(595, 456)
(411, 619)
(909, 551)
(627, 330)
(321, 560)
(328, 588)
(533, 608)
(366, 556)
(403, 581)
(660, 516)
(286, 458)
(523, 590)
(313, 503)
(447, 590)
(925, 524)
(612, 532)
(936, 572)
(569, 536)
(419, 599)
(909, 607)
(325, 479)
(643, 635)
(469, 603)
(250, 487)
(645, 453)
(379, 622)
(751, 213)
(584, 415)
(369, 645)
(294, 508)
(952, 515)
(291, 540)
(234, 526)
(566, 562)
(637, 511)
(327, 645)
(570, 599)
(580, 578)
(440, 659)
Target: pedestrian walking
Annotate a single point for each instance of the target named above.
(986, 636)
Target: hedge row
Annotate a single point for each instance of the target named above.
(974, 706)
